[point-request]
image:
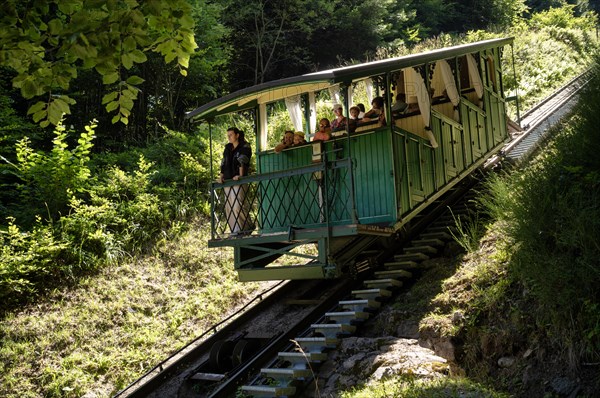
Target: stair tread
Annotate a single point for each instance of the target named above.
(303, 356)
(400, 273)
(291, 372)
(273, 390)
(384, 281)
(420, 249)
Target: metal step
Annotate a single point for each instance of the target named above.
(302, 358)
(395, 274)
(285, 375)
(316, 344)
(411, 257)
(371, 294)
(333, 330)
(385, 283)
(268, 391)
(420, 249)
(347, 317)
(360, 305)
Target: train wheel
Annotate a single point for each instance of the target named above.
(220, 356)
(243, 350)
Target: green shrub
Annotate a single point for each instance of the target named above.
(48, 180)
(30, 260)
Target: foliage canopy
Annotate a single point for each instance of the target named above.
(47, 42)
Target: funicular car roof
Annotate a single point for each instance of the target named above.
(278, 89)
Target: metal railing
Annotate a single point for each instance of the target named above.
(309, 196)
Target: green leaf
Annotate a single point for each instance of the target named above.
(61, 104)
(109, 97)
(55, 26)
(110, 78)
(55, 112)
(184, 61)
(138, 56)
(69, 6)
(127, 60)
(129, 44)
(106, 66)
(127, 103)
(115, 119)
(111, 106)
(170, 57)
(29, 88)
(134, 80)
(37, 116)
(38, 106)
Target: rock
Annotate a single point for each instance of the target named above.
(372, 359)
(506, 362)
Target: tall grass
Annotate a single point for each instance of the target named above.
(550, 212)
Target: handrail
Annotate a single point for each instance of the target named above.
(305, 196)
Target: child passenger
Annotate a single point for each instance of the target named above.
(354, 119)
(299, 138)
(324, 132)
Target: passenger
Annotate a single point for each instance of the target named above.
(375, 111)
(324, 132)
(355, 112)
(361, 106)
(400, 106)
(286, 142)
(354, 119)
(235, 164)
(339, 123)
(299, 138)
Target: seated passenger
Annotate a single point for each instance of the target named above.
(339, 123)
(376, 113)
(400, 107)
(324, 132)
(354, 119)
(299, 138)
(361, 114)
(286, 142)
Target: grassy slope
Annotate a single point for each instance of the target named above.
(105, 331)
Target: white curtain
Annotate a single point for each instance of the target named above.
(450, 85)
(334, 93)
(350, 95)
(369, 87)
(295, 111)
(312, 103)
(474, 77)
(262, 131)
(415, 86)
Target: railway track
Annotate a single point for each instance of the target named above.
(273, 346)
